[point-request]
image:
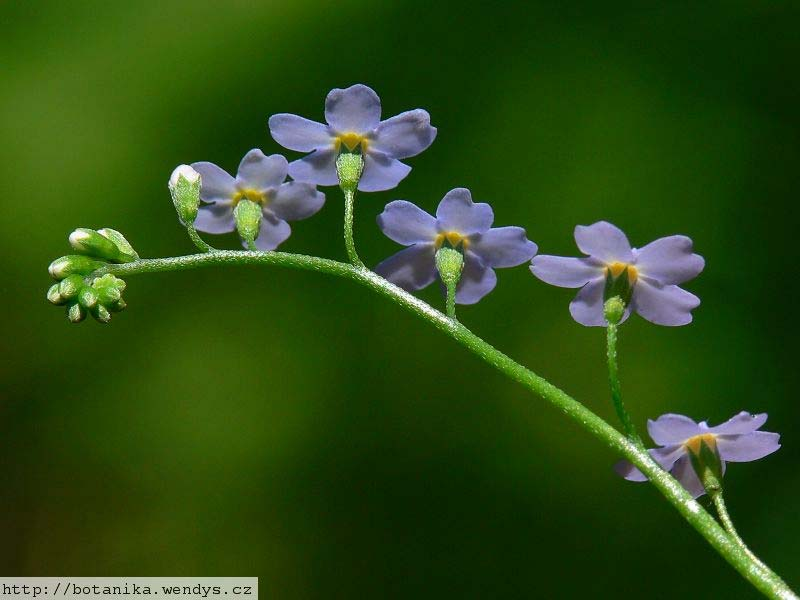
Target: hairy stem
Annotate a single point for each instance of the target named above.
(349, 242)
(616, 393)
(451, 299)
(753, 570)
(197, 240)
(727, 523)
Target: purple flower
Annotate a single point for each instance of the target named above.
(463, 225)
(653, 272)
(260, 179)
(354, 121)
(736, 440)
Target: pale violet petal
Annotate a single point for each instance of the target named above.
(669, 429)
(260, 172)
(604, 241)
(566, 271)
(318, 168)
(406, 223)
(216, 184)
(744, 422)
(457, 212)
(295, 200)
(503, 247)
(381, 172)
(272, 233)
(299, 134)
(748, 446)
(404, 135)
(215, 218)
(663, 305)
(587, 307)
(356, 109)
(477, 280)
(669, 260)
(412, 268)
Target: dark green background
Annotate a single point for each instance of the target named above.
(296, 427)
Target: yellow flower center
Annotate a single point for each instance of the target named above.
(351, 141)
(453, 238)
(694, 443)
(615, 269)
(252, 195)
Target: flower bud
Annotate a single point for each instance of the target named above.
(101, 314)
(248, 219)
(120, 242)
(109, 289)
(91, 243)
(349, 167)
(184, 187)
(54, 296)
(450, 264)
(614, 309)
(76, 313)
(73, 263)
(87, 298)
(71, 286)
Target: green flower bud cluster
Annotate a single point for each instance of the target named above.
(81, 293)
(99, 298)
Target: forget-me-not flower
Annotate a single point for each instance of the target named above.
(260, 179)
(653, 274)
(461, 224)
(354, 123)
(736, 440)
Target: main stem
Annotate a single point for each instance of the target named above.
(349, 242)
(613, 380)
(753, 570)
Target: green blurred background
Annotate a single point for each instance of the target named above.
(296, 427)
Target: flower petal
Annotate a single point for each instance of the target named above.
(503, 247)
(355, 109)
(744, 422)
(412, 268)
(381, 172)
(297, 133)
(477, 280)
(457, 212)
(259, 172)
(587, 307)
(683, 471)
(404, 135)
(565, 271)
(318, 168)
(295, 200)
(272, 233)
(663, 305)
(215, 218)
(669, 260)
(748, 446)
(216, 184)
(671, 429)
(604, 241)
(406, 223)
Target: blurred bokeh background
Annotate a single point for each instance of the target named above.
(276, 423)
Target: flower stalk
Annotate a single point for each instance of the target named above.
(761, 577)
(614, 309)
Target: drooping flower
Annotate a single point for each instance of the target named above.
(461, 224)
(260, 179)
(653, 273)
(354, 123)
(735, 440)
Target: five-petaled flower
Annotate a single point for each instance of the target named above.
(736, 440)
(460, 223)
(260, 179)
(653, 273)
(354, 124)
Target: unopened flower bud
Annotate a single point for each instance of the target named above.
(101, 314)
(349, 167)
(450, 264)
(184, 187)
(109, 289)
(248, 219)
(71, 286)
(91, 243)
(87, 297)
(614, 309)
(54, 296)
(76, 313)
(120, 242)
(73, 263)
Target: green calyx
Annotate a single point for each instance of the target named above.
(102, 245)
(614, 309)
(450, 264)
(706, 462)
(184, 187)
(619, 285)
(247, 215)
(99, 298)
(349, 167)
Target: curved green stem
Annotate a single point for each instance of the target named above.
(197, 240)
(727, 523)
(349, 242)
(616, 393)
(756, 573)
